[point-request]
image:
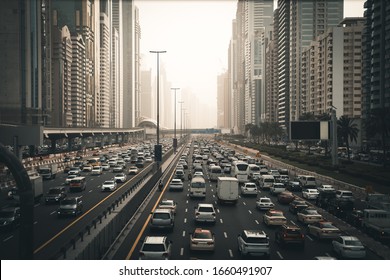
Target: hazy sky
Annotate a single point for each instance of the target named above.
(196, 36)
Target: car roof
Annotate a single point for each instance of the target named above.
(205, 205)
(198, 230)
(350, 238)
(155, 239)
(162, 210)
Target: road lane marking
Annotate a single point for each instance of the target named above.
(90, 191)
(53, 212)
(35, 222)
(244, 203)
(213, 195)
(280, 255)
(184, 233)
(181, 251)
(221, 221)
(185, 220)
(218, 210)
(257, 222)
(8, 238)
(250, 212)
(186, 210)
(36, 205)
(293, 223)
(308, 237)
(225, 234)
(231, 253)
(187, 201)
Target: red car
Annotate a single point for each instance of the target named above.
(285, 197)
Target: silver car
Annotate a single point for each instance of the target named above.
(253, 242)
(205, 212)
(349, 247)
(155, 248)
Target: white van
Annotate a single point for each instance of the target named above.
(307, 181)
(227, 190)
(266, 182)
(198, 187)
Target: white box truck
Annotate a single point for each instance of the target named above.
(227, 190)
(48, 171)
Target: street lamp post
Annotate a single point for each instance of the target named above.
(158, 148)
(174, 138)
(181, 118)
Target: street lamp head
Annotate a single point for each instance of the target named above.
(157, 51)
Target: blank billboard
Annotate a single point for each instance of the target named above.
(309, 130)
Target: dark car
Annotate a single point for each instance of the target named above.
(294, 186)
(355, 218)
(289, 234)
(9, 217)
(55, 195)
(70, 206)
(297, 205)
(66, 169)
(285, 197)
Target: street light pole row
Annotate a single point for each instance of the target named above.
(174, 138)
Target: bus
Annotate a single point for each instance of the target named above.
(215, 172)
(240, 171)
(198, 187)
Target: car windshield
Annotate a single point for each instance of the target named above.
(68, 202)
(268, 180)
(276, 214)
(265, 200)
(327, 225)
(311, 212)
(257, 240)
(44, 171)
(202, 235)
(120, 175)
(109, 183)
(293, 231)
(353, 243)
(153, 248)
(346, 194)
(166, 203)
(161, 216)
(206, 209)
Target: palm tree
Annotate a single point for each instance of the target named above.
(348, 131)
(378, 123)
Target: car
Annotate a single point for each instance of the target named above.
(355, 218)
(120, 177)
(309, 215)
(264, 203)
(274, 218)
(133, 170)
(323, 230)
(74, 171)
(70, 206)
(289, 234)
(97, 170)
(55, 195)
(297, 205)
(168, 204)
(249, 189)
(155, 248)
(326, 188)
(105, 167)
(202, 240)
(294, 186)
(344, 195)
(162, 219)
(283, 179)
(198, 174)
(109, 185)
(9, 218)
(349, 247)
(176, 185)
(253, 242)
(66, 169)
(285, 197)
(69, 178)
(118, 168)
(87, 168)
(205, 212)
(310, 193)
(148, 159)
(112, 162)
(277, 188)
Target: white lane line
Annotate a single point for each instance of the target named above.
(293, 223)
(225, 234)
(181, 251)
(187, 201)
(213, 195)
(231, 253)
(90, 191)
(35, 222)
(308, 237)
(98, 187)
(8, 238)
(244, 202)
(52, 212)
(221, 221)
(257, 222)
(218, 210)
(186, 210)
(184, 233)
(250, 212)
(36, 205)
(280, 255)
(185, 220)
(92, 179)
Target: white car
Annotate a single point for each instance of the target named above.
(120, 177)
(109, 186)
(310, 193)
(97, 170)
(349, 247)
(309, 216)
(326, 188)
(274, 218)
(155, 248)
(253, 242)
(264, 203)
(205, 212)
(176, 185)
(69, 178)
(277, 188)
(133, 170)
(249, 189)
(198, 174)
(168, 204)
(87, 168)
(105, 166)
